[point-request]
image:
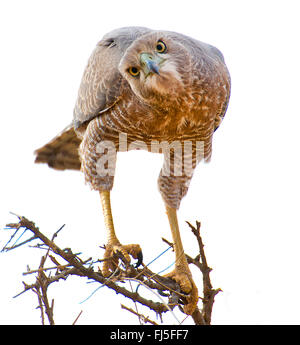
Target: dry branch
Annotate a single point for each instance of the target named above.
(140, 316)
(167, 290)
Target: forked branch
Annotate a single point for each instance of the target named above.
(167, 291)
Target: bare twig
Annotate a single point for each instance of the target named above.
(79, 268)
(78, 316)
(208, 291)
(74, 265)
(141, 316)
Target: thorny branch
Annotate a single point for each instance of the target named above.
(167, 290)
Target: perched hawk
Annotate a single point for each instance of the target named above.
(156, 90)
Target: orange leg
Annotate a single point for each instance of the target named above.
(182, 274)
(113, 244)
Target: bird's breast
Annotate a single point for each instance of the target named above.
(142, 122)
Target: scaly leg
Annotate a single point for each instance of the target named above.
(182, 274)
(113, 244)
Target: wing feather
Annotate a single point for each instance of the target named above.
(101, 84)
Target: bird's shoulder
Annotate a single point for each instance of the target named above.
(102, 84)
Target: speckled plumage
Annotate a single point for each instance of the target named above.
(186, 101)
(161, 91)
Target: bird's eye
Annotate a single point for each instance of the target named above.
(134, 71)
(161, 47)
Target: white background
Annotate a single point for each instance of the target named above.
(247, 198)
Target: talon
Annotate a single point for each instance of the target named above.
(122, 252)
(139, 259)
(188, 287)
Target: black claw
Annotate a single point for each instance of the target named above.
(162, 293)
(139, 259)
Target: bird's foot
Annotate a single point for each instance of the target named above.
(116, 251)
(185, 280)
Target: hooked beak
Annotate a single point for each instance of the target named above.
(150, 63)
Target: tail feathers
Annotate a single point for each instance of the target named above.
(61, 152)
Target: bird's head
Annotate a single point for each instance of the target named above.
(156, 67)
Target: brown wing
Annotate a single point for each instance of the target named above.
(61, 152)
(100, 86)
(99, 90)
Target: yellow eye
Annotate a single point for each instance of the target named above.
(134, 71)
(161, 47)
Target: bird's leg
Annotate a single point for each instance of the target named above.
(113, 244)
(182, 274)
